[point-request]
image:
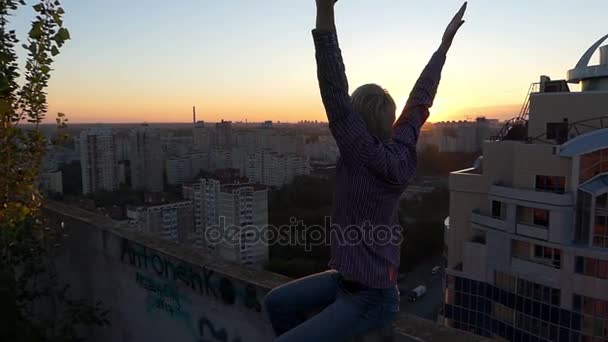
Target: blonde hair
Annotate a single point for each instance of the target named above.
(377, 108)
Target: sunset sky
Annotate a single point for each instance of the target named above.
(152, 60)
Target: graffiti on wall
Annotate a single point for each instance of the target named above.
(205, 283)
(163, 296)
(210, 333)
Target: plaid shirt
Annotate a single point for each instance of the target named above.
(371, 174)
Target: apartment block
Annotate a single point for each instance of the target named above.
(98, 160)
(230, 220)
(526, 243)
(146, 159)
(172, 221)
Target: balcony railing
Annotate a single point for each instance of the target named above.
(487, 221)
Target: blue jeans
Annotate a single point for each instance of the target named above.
(344, 314)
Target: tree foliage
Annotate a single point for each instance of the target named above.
(35, 306)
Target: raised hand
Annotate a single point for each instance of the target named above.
(326, 2)
(325, 15)
(452, 29)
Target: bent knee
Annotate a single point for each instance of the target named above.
(272, 300)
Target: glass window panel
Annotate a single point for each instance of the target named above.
(576, 303)
(497, 211)
(602, 269)
(555, 297)
(602, 201)
(541, 217)
(538, 251)
(600, 226)
(579, 264)
(590, 267)
(588, 306)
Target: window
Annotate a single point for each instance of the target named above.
(505, 281)
(555, 184)
(593, 164)
(538, 292)
(536, 253)
(503, 313)
(583, 217)
(600, 228)
(601, 202)
(579, 265)
(541, 217)
(591, 267)
(533, 216)
(590, 306)
(498, 210)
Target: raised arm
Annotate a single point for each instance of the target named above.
(349, 130)
(421, 98)
(330, 65)
(393, 160)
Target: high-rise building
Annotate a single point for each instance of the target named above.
(51, 182)
(527, 237)
(146, 160)
(176, 146)
(201, 137)
(244, 207)
(122, 146)
(203, 194)
(179, 170)
(274, 169)
(223, 134)
(98, 160)
(172, 221)
(226, 207)
(464, 136)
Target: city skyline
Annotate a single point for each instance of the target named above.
(132, 63)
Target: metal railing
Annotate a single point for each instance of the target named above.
(522, 119)
(575, 129)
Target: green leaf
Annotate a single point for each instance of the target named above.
(36, 31)
(63, 33)
(54, 51)
(38, 8)
(57, 19)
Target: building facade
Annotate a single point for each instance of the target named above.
(172, 221)
(463, 136)
(178, 170)
(51, 182)
(230, 220)
(98, 160)
(146, 159)
(274, 169)
(201, 137)
(527, 237)
(222, 136)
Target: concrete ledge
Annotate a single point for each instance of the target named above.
(167, 306)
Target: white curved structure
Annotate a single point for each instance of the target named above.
(593, 77)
